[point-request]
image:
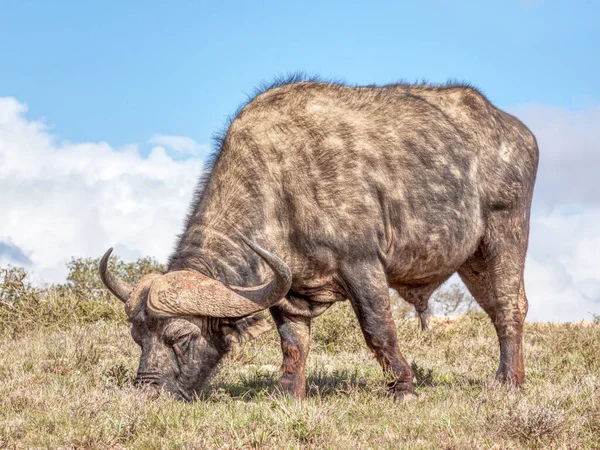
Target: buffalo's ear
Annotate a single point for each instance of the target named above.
(246, 329)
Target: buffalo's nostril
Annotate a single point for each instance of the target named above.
(149, 383)
(143, 378)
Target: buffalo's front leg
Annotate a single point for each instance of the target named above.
(294, 332)
(368, 292)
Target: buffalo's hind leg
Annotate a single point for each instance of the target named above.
(494, 276)
(368, 292)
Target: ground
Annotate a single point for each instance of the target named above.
(69, 386)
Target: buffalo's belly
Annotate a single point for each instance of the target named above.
(433, 249)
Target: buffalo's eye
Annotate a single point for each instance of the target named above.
(182, 342)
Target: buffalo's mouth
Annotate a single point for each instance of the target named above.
(153, 384)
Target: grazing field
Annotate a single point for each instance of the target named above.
(67, 363)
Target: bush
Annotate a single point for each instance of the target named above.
(84, 279)
(15, 287)
(452, 300)
(83, 299)
(337, 329)
(446, 301)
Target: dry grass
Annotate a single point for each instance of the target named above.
(68, 385)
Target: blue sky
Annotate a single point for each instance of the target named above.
(107, 109)
(122, 70)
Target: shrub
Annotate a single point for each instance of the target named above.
(15, 287)
(84, 278)
(452, 300)
(337, 329)
(83, 299)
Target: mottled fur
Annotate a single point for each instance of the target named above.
(361, 188)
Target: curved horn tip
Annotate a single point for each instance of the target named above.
(278, 288)
(118, 287)
(104, 259)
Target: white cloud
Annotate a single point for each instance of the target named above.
(569, 142)
(59, 199)
(561, 275)
(180, 144)
(563, 266)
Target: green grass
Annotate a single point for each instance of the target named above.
(65, 382)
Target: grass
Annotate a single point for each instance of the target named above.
(65, 382)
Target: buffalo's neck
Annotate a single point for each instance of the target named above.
(236, 201)
(220, 256)
(212, 241)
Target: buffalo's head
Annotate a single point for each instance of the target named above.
(185, 322)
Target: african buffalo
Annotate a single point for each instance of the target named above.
(321, 192)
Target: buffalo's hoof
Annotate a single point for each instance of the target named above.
(295, 388)
(403, 392)
(511, 379)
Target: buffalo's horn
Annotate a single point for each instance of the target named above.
(187, 292)
(273, 291)
(118, 287)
